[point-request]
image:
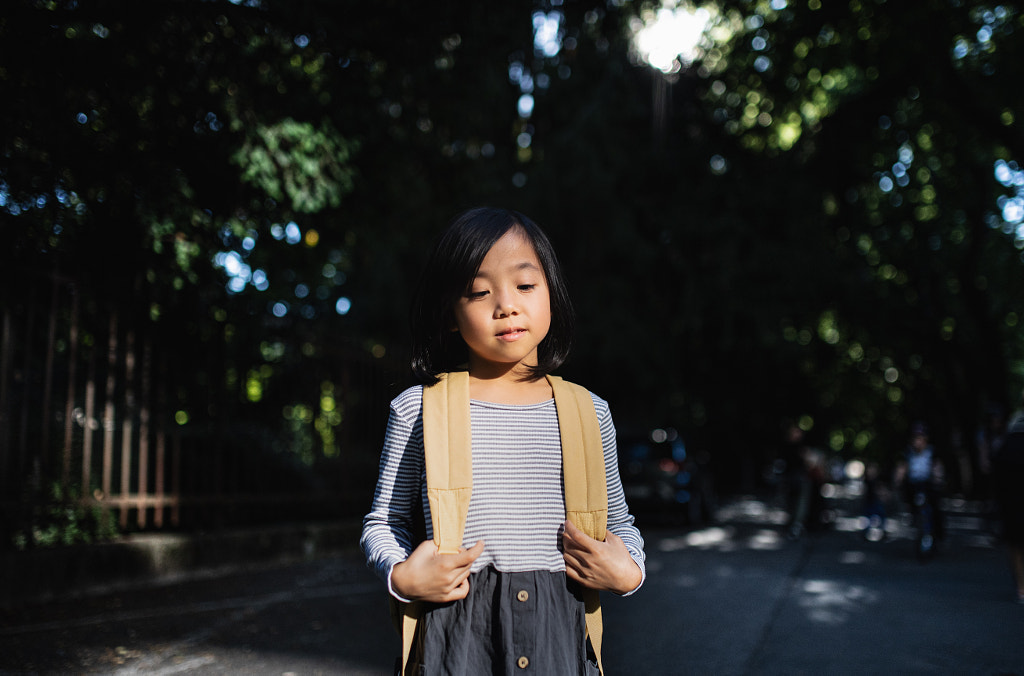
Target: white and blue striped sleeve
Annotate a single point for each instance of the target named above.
(620, 521)
(387, 537)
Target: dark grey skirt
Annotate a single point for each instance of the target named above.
(511, 623)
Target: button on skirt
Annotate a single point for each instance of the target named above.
(510, 623)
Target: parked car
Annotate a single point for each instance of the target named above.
(663, 481)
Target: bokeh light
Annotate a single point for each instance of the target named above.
(670, 37)
(547, 29)
(1010, 216)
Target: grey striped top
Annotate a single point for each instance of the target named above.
(518, 503)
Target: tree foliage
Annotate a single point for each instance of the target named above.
(814, 220)
(896, 117)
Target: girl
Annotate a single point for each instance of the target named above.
(492, 301)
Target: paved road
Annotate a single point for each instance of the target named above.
(735, 598)
(742, 599)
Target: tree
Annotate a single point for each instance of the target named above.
(816, 218)
(244, 183)
(882, 126)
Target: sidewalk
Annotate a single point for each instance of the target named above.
(148, 558)
(735, 598)
(740, 598)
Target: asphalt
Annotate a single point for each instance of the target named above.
(740, 597)
(736, 596)
(43, 574)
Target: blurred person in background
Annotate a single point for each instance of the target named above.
(803, 471)
(1018, 415)
(1008, 485)
(921, 473)
(987, 443)
(795, 480)
(875, 496)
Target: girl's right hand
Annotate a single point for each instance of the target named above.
(430, 576)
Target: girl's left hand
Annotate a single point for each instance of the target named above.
(605, 566)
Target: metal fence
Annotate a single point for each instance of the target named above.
(102, 407)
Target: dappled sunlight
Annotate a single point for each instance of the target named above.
(285, 661)
(749, 510)
(833, 601)
(750, 524)
(850, 524)
(723, 539)
(853, 556)
(765, 539)
(697, 539)
(980, 541)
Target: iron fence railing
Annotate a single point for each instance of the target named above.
(102, 407)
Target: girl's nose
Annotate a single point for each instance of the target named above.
(505, 305)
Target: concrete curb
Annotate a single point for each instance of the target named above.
(40, 575)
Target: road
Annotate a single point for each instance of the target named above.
(736, 597)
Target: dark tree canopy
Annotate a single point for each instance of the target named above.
(815, 216)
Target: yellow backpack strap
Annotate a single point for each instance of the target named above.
(583, 470)
(448, 456)
(585, 481)
(410, 617)
(448, 459)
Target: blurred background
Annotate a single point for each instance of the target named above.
(778, 219)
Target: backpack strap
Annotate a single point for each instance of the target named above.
(448, 456)
(448, 459)
(583, 470)
(585, 481)
(447, 443)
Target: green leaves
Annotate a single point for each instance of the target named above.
(307, 166)
(891, 117)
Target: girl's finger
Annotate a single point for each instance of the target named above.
(580, 545)
(460, 592)
(571, 536)
(467, 556)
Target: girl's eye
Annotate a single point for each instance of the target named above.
(527, 287)
(475, 295)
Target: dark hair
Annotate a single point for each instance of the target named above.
(455, 261)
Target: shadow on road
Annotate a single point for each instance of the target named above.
(736, 596)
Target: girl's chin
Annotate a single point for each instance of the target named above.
(499, 368)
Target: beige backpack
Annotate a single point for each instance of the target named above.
(447, 442)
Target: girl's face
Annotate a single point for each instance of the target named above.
(506, 311)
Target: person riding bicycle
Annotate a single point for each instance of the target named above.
(921, 473)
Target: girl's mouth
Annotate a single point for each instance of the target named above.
(511, 334)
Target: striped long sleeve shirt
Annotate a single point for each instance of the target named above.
(518, 504)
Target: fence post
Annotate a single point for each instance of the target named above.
(89, 424)
(127, 424)
(108, 407)
(144, 399)
(69, 405)
(43, 453)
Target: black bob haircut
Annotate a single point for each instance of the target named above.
(454, 263)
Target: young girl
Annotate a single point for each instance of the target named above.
(492, 301)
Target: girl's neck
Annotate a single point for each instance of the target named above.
(508, 388)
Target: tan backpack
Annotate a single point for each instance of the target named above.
(447, 442)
